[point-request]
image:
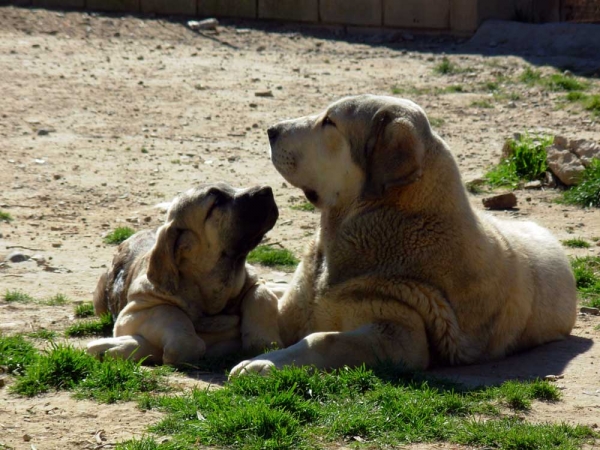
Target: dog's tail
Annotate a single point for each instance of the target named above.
(101, 296)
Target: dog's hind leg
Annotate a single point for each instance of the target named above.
(134, 347)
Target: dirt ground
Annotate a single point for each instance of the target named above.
(103, 117)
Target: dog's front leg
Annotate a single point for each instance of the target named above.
(260, 327)
(404, 343)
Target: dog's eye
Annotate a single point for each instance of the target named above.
(328, 122)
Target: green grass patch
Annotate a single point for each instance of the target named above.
(57, 300)
(436, 121)
(304, 206)
(561, 82)
(553, 82)
(527, 161)
(576, 243)
(119, 235)
(576, 96)
(5, 217)
(94, 327)
(272, 257)
(455, 89)
(482, 104)
(16, 353)
(592, 103)
(301, 408)
(447, 67)
(84, 310)
(530, 76)
(44, 334)
(587, 192)
(63, 367)
(17, 296)
(587, 278)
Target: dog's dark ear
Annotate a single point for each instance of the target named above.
(162, 267)
(393, 152)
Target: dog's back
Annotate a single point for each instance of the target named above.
(112, 288)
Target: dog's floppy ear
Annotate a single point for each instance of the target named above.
(393, 152)
(162, 267)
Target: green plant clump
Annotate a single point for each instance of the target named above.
(17, 296)
(446, 67)
(97, 327)
(63, 367)
(526, 161)
(587, 192)
(587, 279)
(576, 243)
(304, 206)
(16, 352)
(5, 217)
(84, 310)
(119, 235)
(272, 257)
(302, 408)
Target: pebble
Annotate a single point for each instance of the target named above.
(533, 185)
(26, 437)
(17, 257)
(553, 377)
(264, 94)
(206, 24)
(147, 219)
(499, 202)
(43, 132)
(39, 259)
(56, 244)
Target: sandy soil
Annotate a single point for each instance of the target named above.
(102, 118)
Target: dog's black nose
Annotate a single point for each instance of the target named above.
(273, 132)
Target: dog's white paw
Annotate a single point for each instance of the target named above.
(260, 366)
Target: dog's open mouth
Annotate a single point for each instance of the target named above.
(311, 196)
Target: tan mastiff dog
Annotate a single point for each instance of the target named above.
(403, 269)
(191, 274)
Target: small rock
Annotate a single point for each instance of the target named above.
(585, 150)
(57, 244)
(264, 94)
(261, 48)
(502, 201)
(43, 132)
(590, 310)
(17, 257)
(2, 382)
(550, 180)
(26, 437)
(533, 185)
(39, 259)
(565, 165)
(57, 176)
(206, 24)
(147, 219)
(553, 377)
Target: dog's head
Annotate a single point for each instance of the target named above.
(208, 233)
(358, 148)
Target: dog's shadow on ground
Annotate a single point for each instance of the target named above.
(548, 359)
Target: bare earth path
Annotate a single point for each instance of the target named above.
(102, 117)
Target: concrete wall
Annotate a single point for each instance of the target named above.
(455, 16)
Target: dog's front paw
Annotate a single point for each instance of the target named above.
(260, 366)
